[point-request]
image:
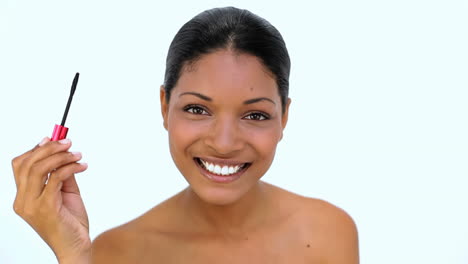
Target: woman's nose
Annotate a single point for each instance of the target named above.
(224, 136)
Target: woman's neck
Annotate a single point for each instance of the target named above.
(246, 214)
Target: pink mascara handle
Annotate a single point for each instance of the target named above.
(60, 132)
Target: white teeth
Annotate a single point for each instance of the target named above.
(219, 169)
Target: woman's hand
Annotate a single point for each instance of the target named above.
(48, 198)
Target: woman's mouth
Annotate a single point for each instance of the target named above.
(219, 172)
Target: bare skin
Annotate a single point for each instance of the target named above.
(290, 229)
(226, 111)
(54, 209)
(244, 221)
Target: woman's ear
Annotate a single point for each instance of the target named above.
(164, 105)
(284, 118)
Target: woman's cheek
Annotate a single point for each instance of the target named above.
(264, 139)
(184, 131)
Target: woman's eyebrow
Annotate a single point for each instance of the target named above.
(250, 101)
(201, 96)
(255, 100)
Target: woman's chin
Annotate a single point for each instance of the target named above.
(216, 195)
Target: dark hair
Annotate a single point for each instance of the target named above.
(228, 28)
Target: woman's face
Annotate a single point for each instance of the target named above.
(224, 120)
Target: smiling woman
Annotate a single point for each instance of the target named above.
(225, 104)
(232, 119)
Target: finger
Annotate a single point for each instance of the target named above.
(47, 150)
(24, 155)
(70, 185)
(18, 204)
(41, 170)
(42, 143)
(17, 161)
(44, 151)
(60, 179)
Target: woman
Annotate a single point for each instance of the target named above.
(225, 104)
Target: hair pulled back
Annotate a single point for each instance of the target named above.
(228, 28)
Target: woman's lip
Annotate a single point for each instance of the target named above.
(219, 178)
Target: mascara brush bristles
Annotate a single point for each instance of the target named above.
(72, 92)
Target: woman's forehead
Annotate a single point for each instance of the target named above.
(227, 72)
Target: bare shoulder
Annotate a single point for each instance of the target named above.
(135, 241)
(112, 246)
(315, 210)
(324, 227)
(320, 210)
(334, 228)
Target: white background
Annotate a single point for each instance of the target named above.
(378, 123)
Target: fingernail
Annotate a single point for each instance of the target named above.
(64, 141)
(44, 140)
(84, 164)
(77, 154)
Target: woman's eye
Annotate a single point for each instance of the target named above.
(257, 116)
(196, 110)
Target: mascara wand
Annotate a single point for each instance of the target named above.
(60, 131)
